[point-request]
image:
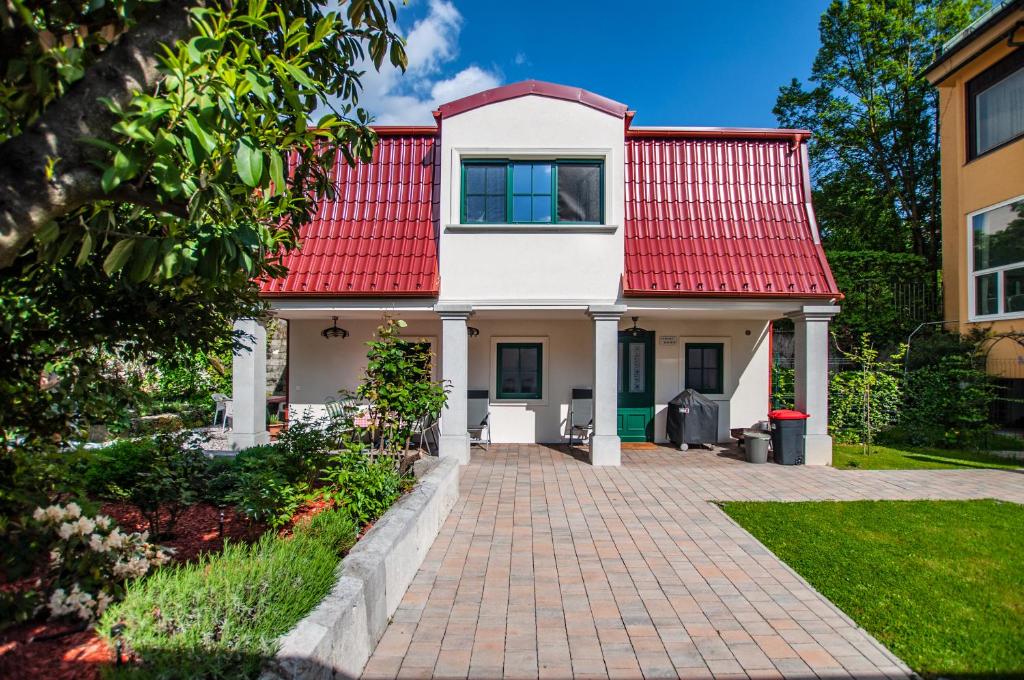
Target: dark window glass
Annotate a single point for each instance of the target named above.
(986, 294)
(579, 192)
(519, 371)
(1013, 291)
(485, 192)
(995, 105)
(704, 368)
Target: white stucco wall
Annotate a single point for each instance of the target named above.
(546, 263)
(746, 357)
(319, 367)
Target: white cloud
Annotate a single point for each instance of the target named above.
(394, 98)
(520, 59)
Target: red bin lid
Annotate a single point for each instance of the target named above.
(787, 414)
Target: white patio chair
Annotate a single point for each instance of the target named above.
(425, 434)
(478, 409)
(581, 414)
(221, 409)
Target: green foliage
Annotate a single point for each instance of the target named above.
(783, 387)
(937, 582)
(87, 340)
(171, 212)
(220, 617)
(192, 376)
(264, 487)
(202, 157)
(865, 401)
(159, 476)
(364, 487)
(269, 483)
(399, 387)
(869, 279)
(874, 151)
(947, 403)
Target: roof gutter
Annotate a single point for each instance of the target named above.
(967, 39)
(720, 133)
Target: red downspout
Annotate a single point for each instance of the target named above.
(771, 359)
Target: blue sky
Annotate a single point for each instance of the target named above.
(675, 63)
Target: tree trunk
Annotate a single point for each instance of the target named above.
(28, 200)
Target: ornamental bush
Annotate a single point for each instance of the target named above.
(364, 487)
(90, 560)
(947, 403)
(160, 476)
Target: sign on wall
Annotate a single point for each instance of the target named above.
(668, 340)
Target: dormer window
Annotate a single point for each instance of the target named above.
(532, 192)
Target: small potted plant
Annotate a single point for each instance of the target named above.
(274, 425)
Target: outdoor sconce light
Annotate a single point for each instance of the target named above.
(636, 330)
(472, 332)
(334, 331)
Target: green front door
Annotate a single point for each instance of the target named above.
(636, 386)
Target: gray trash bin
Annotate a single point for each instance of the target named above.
(756, 444)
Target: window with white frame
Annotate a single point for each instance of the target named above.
(997, 259)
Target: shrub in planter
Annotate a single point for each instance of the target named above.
(365, 487)
(268, 483)
(90, 560)
(159, 476)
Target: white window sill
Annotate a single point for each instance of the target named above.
(532, 228)
(995, 317)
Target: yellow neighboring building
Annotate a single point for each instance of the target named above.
(980, 77)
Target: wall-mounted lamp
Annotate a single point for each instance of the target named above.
(472, 332)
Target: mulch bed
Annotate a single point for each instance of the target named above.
(59, 650)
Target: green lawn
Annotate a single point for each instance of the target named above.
(851, 456)
(939, 582)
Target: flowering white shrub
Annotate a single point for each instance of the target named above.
(90, 560)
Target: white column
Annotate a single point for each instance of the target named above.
(811, 379)
(605, 445)
(249, 387)
(455, 372)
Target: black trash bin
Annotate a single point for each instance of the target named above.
(692, 419)
(788, 430)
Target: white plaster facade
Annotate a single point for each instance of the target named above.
(560, 286)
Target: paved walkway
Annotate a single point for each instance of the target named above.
(548, 567)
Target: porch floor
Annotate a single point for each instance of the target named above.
(549, 567)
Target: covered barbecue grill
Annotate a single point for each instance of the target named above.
(692, 419)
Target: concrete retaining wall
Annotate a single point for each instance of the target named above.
(336, 639)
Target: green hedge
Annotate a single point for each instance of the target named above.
(868, 279)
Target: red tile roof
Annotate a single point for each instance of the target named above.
(721, 213)
(377, 237)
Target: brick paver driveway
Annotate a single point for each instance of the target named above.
(548, 567)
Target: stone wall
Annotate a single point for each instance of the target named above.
(277, 356)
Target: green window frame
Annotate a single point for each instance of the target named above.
(510, 373)
(531, 195)
(699, 375)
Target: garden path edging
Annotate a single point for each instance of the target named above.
(337, 638)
